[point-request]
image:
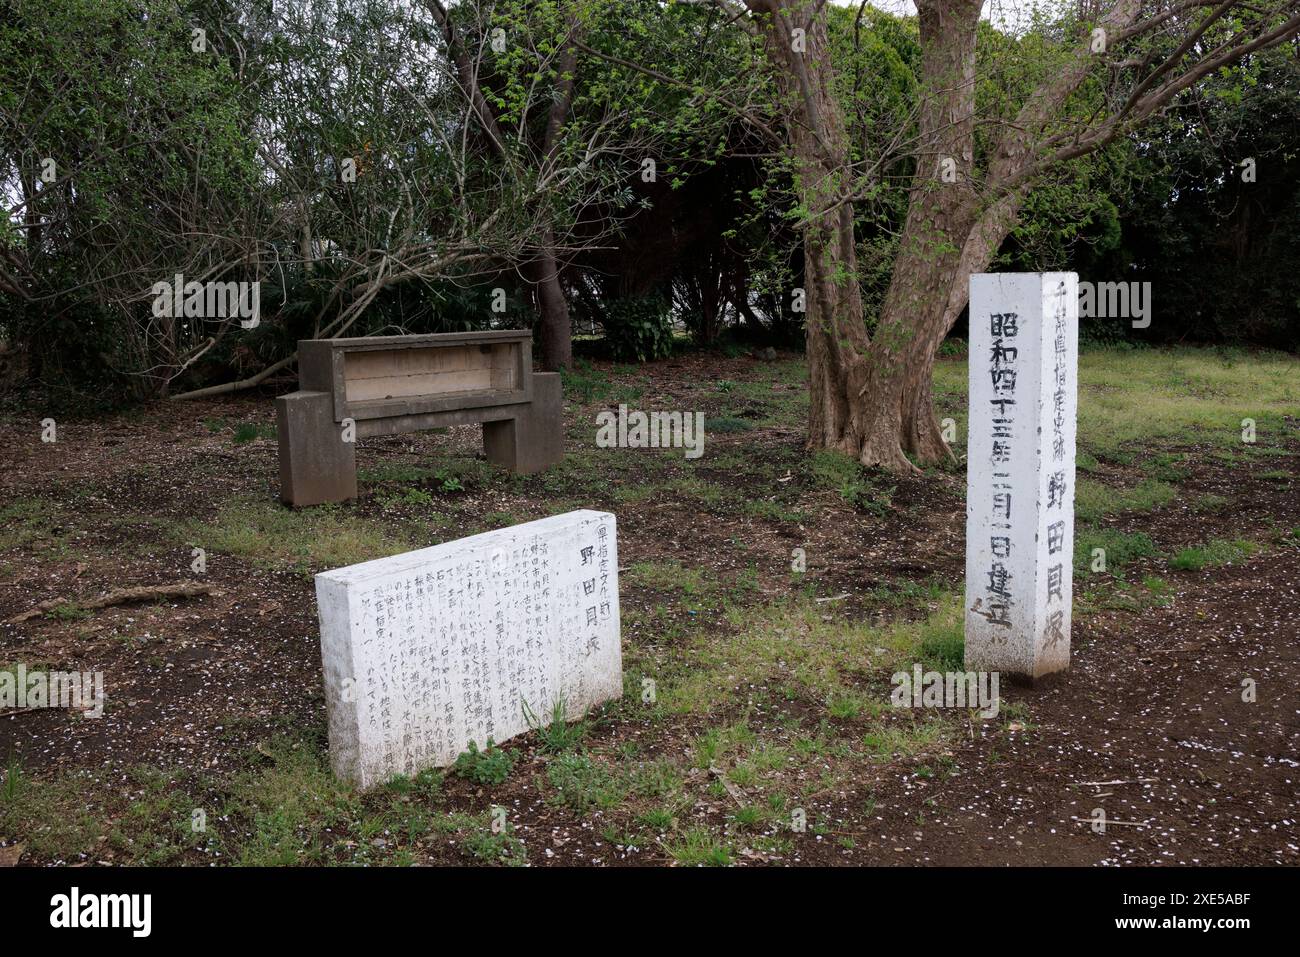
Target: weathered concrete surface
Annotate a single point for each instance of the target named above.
(1020, 472)
(429, 650)
(316, 465)
(533, 440)
(387, 385)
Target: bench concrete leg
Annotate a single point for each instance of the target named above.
(316, 465)
(534, 439)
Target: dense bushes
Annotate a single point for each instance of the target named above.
(1219, 240)
(638, 329)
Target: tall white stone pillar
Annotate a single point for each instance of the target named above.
(1024, 352)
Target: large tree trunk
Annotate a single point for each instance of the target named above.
(870, 396)
(555, 332)
(845, 386)
(552, 304)
(942, 212)
(974, 231)
(982, 243)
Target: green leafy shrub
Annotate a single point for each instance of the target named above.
(449, 482)
(581, 784)
(489, 766)
(557, 736)
(410, 496)
(638, 329)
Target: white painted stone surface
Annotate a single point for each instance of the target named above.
(429, 650)
(1024, 351)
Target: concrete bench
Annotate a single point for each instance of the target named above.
(354, 388)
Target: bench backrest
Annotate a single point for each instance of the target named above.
(384, 376)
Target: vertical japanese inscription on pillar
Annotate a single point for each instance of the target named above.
(1004, 363)
(1062, 295)
(1020, 472)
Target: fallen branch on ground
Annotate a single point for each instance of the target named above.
(119, 596)
(228, 387)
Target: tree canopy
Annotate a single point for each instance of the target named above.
(627, 167)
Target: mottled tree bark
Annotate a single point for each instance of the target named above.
(941, 213)
(555, 331)
(870, 396)
(843, 382)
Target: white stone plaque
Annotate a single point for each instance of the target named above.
(429, 650)
(1024, 349)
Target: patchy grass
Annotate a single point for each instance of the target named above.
(726, 424)
(247, 432)
(1167, 467)
(68, 611)
(1212, 554)
(700, 847)
(848, 705)
(909, 594)
(906, 739)
(485, 844)
(1211, 504)
(491, 766)
(585, 384)
(1187, 395)
(774, 510)
(305, 539)
(766, 705)
(288, 810)
(668, 577)
(394, 472)
(583, 783)
(943, 646)
(285, 808)
(703, 491)
(1151, 592)
(50, 816)
(31, 523)
(557, 735)
(795, 643)
(453, 474)
(1094, 501)
(1118, 549)
(840, 473)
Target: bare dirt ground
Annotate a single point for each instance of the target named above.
(773, 708)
